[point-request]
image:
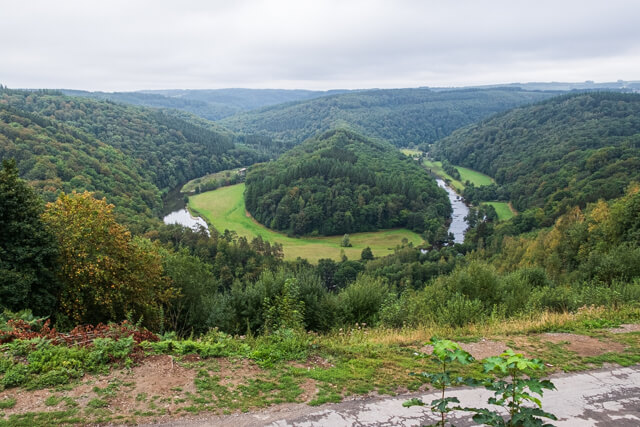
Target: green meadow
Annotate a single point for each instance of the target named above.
(503, 210)
(224, 209)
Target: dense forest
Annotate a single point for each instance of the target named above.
(211, 104)
(568, 151)
(128, 154)
(76, 260)
(341, 182)
(400, 116)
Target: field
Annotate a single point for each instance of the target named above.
(478, 179)
(224, 209)
(502, 209)
(214, 179)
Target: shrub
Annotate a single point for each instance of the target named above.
(361, 301)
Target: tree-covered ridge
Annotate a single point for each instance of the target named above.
(560, 153)
(400, 116)
(341, 182)
(127, 154)
(169, 149)
(211, 104)
(54, 158)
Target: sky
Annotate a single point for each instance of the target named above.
(124, 45)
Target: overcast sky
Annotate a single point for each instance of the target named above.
(118, 45)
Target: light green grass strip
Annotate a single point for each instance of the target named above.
(502, 209)
(224, 209)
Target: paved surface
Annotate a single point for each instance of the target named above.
(603, 398)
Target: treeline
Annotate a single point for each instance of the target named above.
(564, 152)
(130, 155)
(341, 182)
(72, 261)
(402, 117)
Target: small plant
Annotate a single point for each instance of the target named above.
(444, 353)
(8, 403)
(97, 403)
(513, 394)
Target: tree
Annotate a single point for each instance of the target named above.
(366, 254)
(345, 243)
(27, 249)
(105, 274)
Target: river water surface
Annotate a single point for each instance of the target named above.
(458, 224)
(184, 218)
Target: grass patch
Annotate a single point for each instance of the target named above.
(213, 180)
(8, 403)
(503, 210)
(224, 209)
(476, 178)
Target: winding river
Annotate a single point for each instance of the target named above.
(458, 225)
(184, 218)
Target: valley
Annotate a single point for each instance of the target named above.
(224, 209)
(332, 258)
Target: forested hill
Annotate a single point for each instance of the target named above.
(563, 152)
(400, 116)
(211, 104)
(126, 153)
(341, 182)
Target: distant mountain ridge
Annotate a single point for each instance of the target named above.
(211, 104)
(402, 117)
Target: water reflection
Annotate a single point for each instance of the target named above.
(183, 217)
(458, 224)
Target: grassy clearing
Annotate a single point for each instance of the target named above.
(477, 178)
(436, 169)
(224, 209)
(503, 210)
(410, 152)
(218, 179)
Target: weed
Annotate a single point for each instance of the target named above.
(8, 403)
(97, 403)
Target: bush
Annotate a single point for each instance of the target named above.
(361, 301)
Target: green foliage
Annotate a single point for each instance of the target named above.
(39, 363)
(124, 153)
(366, 254)
(360, 301)
(515, 393)
(285, 310)
(401, 116)
(341, 183)
(8, 402)
(281, 345)
(444, 353)
(564, 152)
(27, 248)
(345, 242)
(105, 275)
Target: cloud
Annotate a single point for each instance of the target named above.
(125, 45)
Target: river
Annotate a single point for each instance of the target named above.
(176, 212)
(458, 225)
(184, 218)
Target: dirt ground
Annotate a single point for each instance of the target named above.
(156, 390)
